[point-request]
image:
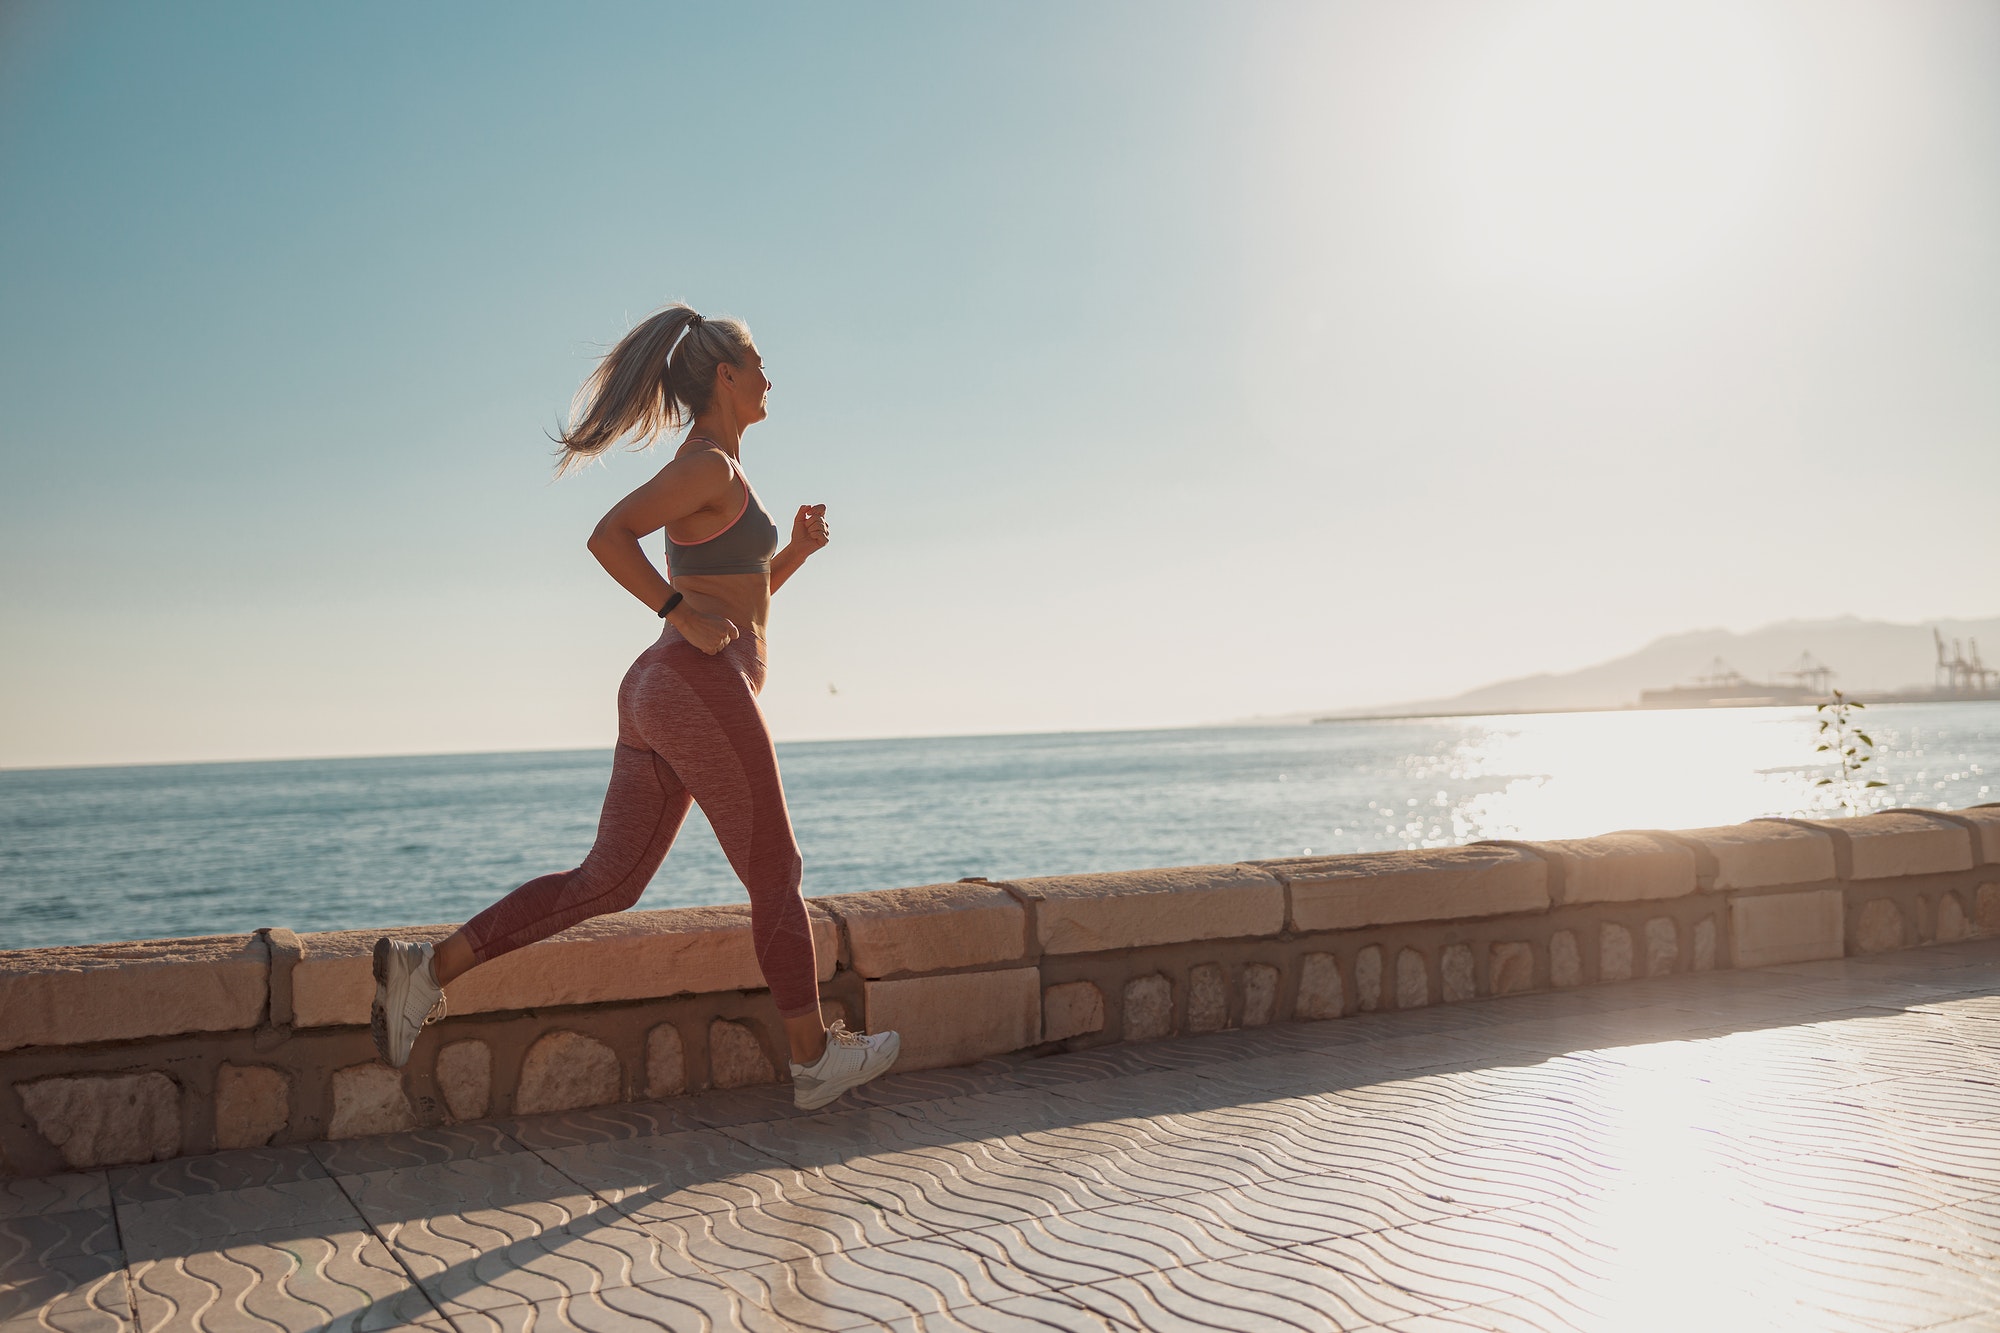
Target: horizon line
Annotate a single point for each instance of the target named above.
(1260, 721)
(1257, 722)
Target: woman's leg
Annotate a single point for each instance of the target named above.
(706, 738)
(701, 714)
(643, 811)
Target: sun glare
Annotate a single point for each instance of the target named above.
(1675, 1209)
(1613, 146)
(1574, 775)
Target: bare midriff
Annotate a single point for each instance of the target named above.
(743, 599)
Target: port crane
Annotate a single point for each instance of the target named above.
(1962, 672)
(1811, 675)
(1721, 676)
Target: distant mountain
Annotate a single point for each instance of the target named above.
(1866, 655)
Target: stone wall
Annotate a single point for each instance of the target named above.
(137, 1052)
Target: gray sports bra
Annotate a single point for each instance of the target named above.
(744, 547)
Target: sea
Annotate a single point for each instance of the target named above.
(93, 855)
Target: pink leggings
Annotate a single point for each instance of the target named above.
(688, 729)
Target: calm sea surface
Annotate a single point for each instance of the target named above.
(91, 855)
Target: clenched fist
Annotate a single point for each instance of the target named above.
(711, 634)
(809, 529)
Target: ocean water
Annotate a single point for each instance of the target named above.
(102, 854)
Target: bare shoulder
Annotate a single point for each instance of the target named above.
(688, 484)
(700, 471)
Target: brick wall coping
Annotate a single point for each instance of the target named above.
(76, 996)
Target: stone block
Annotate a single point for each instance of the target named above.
(368, 1099)
(736, 1059)
(1208, 998)
(1663, 946)
(1565, 959)
(566, 1070)
(957, 1019)
(1614, 953)
(1320, 991)
(1072, 1009)
(935, 928)
(1984, 821)
(1986, 909)
(1368, 979)
(80, 994)
(1413, 980)
(1149, 1008)
(106, 1119)
(1760, 854)
(465, 1076)
(1455, 970)
(624, 956)
(1952, 925)
(1787, 927)
(1904, 842)
(666, 1062)
(1135, 909)
(1382, 888)
(283, 950)
(1260, 994)
(1704, 944)
(1512, 968)
(1618, 868)
(334, 983)
(252, 1103)
(1880, 928)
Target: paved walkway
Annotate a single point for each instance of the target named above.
(1812, 1147)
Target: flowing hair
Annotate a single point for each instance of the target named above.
(658, 378)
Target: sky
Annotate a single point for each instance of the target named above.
(1159, 363)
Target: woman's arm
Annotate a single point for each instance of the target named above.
(809, 534)
(682, 487)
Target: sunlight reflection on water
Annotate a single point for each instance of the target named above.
(1576, 774)
(1572, 775)
(133, 853)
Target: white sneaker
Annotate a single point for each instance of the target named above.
(407, 996)
(851, 1059)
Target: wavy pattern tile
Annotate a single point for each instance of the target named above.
(1810, 1147)
(193, 1225)
(599, 1124)
(870, 1287)
(92, 1296)
(338, 1282)
(418, 1147)
(53, 1194)
(1017, 1314)
(215, 1173)
(38, 1239)
(686, 1305)
(724, 1242)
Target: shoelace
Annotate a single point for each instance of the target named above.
(839, 1033)
(437, 1011)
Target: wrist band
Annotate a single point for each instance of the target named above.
(668, 608)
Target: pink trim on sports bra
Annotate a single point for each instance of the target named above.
(745, 546)
(736, 469)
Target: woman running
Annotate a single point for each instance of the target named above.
(689, 728)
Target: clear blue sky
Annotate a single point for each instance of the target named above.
(1159, 363)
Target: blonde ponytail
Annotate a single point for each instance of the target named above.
(658, 378)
